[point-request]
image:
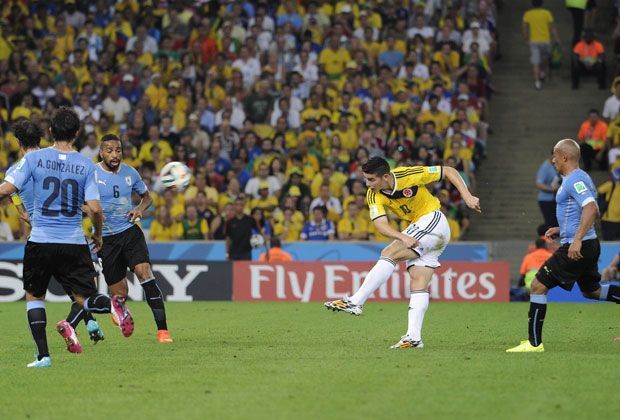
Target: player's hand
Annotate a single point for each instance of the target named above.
(410, 242)
(134, 214)
(97, 244)
(24, 217)
(574, 250)
(552, 233)
(473, 203)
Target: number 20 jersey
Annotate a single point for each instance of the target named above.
(410, 199)
(62, 182)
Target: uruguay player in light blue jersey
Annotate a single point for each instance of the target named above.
(29, 137)
(63, 180)
(576, 260)
(124, 245)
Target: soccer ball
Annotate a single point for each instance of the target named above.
(175, 174)
(257, 240)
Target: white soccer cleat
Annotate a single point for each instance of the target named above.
(43, 363)
(344, 305)
(407, 342)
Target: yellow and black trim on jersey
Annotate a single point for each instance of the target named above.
(410, 199)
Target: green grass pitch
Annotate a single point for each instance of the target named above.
(287, 360)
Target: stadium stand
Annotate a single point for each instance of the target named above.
(279, 103)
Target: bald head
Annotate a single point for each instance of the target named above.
(568, 148)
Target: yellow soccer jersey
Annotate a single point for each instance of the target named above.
(410, 199)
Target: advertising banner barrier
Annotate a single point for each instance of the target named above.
(180, 281)
(321, 281)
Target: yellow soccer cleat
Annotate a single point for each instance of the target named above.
(526, 347)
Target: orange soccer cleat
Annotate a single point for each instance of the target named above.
(163, 336)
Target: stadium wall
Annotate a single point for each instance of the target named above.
(188, 271)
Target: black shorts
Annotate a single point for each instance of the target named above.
(559, 270)
(123, 250)
(70, 264)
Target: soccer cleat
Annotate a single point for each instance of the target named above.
(408, 343)
(94, 331)
(617, 339)
(526, 347)
(43, 363)
(122, 316)
(67, 332)
(163, 336)
(344, 305)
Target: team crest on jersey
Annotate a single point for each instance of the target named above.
(407, 192)
(128, 180)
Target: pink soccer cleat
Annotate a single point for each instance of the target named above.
(617, 339)
(122, 316)
(67, 332)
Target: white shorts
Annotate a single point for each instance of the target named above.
(433, 233)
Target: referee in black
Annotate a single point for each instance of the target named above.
(239, 233)
(576, 261)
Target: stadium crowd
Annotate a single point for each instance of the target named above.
(274, 106)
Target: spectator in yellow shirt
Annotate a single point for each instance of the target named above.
(334, 58)
(163, 227)
(156, 92)
(435, 115)
(145, 150)
(537, 28)
(264, 201)
(351, 226)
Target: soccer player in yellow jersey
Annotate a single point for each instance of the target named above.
(404, 192)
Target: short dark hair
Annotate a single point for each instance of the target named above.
(110, 137)
(65, 124)
(322, 209)
(275, 242)
(28, 134)
(540, 243)
(537, 3)
(376, 165)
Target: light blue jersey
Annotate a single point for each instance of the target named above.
(115, 190)
(62, 182)
(576, 191)
(26, 193)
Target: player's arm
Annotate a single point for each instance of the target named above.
(91, 199)
(589, 212)
(135, 214)
(383, 227)
(95, 213)
(455, 179)
(21, 209)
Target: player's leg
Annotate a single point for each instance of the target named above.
(379, 274)
(558, 270)
(155, 300)
(136, 253)
(432, 242)
(79, 276)
(391, 255)
(589, 281)
(36, 278)
(77, 314)
(418, 304)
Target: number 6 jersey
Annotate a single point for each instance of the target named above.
(115, 190)
(62, 182)
(409, 199)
